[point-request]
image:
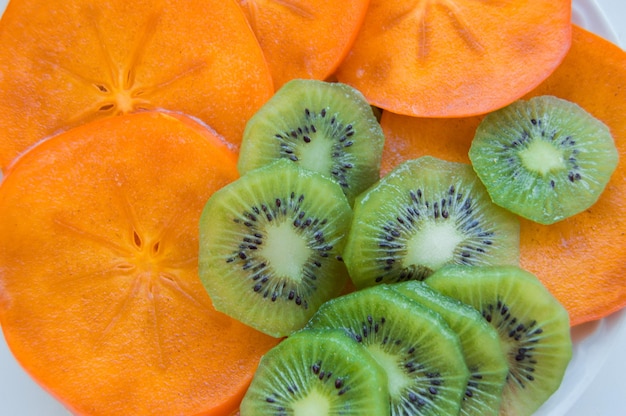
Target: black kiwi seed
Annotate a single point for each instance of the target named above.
(323, 126)
(423, 215)
(270, 246)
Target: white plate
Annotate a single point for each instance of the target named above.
(594, 383)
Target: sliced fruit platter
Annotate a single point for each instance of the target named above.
(241, 207)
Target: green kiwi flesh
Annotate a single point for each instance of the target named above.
(323, 373)
(421, 355)
(425, 214)
(324, 126)
(480, 343)
(545, 159)
(270, 246)
(533, 328)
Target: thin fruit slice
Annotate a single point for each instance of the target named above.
(480, 343)
(533, 327)
(270, 246)
(68, 62)
(101, 301)
(545, 158)
(423, 215)
(317, 372)
(590, 245)
(326, 127)
(304, 39)
(421, 355)
(444, 58)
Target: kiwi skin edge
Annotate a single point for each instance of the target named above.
(480, 343)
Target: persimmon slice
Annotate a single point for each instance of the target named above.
(454, 58)
(581, 260)
(101, 302)
(67, 62)
(304, 39)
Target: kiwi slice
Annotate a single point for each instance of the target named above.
(316, 372)
(480, 343)
(545, 159)
(421, 355)
(327, 127)
(533, 327)
(424, 214)
(270, 245)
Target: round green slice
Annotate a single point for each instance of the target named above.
(423, 215)
(328, 127)
(545, 159)
(271, 244)
(317, 372)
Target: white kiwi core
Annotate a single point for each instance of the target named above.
(396, 378)
(285, 250)
(433, 246)
(313, 404)
(318, 155)
(542, 157)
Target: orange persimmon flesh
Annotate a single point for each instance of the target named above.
(581, 260)
(101, 302)
(444, 58)
(304, 39)
(65, 63)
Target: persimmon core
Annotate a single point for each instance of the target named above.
(146, 257)
(124, 101)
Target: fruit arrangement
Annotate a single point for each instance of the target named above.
(274, 242)
(204, 211)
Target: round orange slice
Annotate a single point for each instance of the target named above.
(304, 39)
(445, 58)
(100, 300)
(64, 63)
